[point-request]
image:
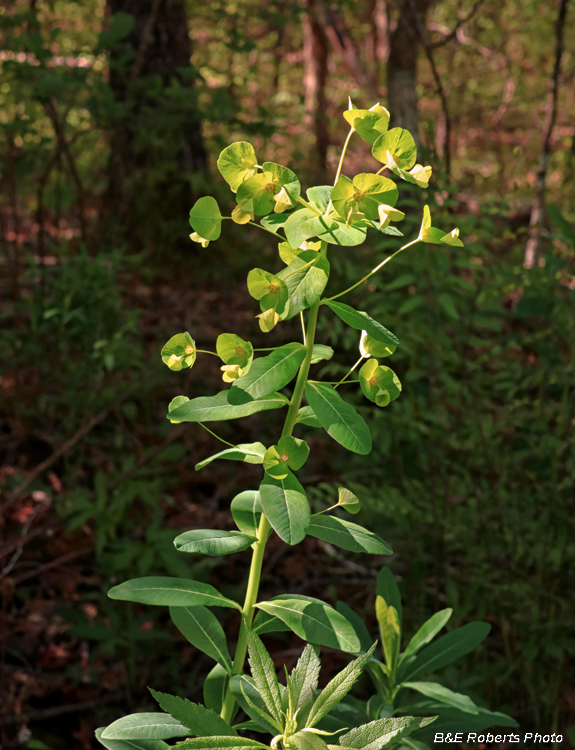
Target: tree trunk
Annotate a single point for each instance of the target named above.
(315, 53)
(404, 44)
(156, 139)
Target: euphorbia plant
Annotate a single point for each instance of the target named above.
(305, 228)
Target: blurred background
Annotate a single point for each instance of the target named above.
(112, 114)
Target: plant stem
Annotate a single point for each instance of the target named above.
(340, 166)
(216, 436)
(264, 527)
(375, 270)
(345, 377)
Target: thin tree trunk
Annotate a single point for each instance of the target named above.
(315, 53)
(533, 246)
(404, 44)
(156, 140)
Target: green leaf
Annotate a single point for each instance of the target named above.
(249, 453)
(179, 352)
(447, 302)
(304, 681)
(303, 224)
(368, 123)
(320, 196)
(379, 383)
(275, 189)
(388, 589)
(233, 350)
(145, 727)
(174, 403)
(273, 222)
(205, 218)
(269, 289)
(390, 629)
(129, 744)
(313, 620)
(400, 145)
(339, 233)
(427, 632)
(375, 348)
(213, 542)
(305, 740)
(439, 693)
(362, 196)
(286, 506)
(338, 418)
(362, 322)
(220, 743)
(172, 592)
(380, 733)
(237, 163)
(268, 374)
(365, 640)
(320, 353)
(246, 694)
(339, 687)
(264, 675)
(217, 408)
(247, 510)
(289, 452)
(264, 623)
(306, 416)
(447, 649)
(346, 499)
(306, 278)
(215, 687)
(200, 720)
(203, 630)
(435, 236)
(347, 535)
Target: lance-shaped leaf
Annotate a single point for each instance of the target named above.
(246, 694)
(435, 236)
(206, 219)
(399, 144)
(200, 720)
(145, 726)
(306, 739)
(382, 732)
(237, 163)
(249, 453)
(289, 452)
(215, 688)
(268, 374)
(362, 196)
(347, 535)
(264, 675)
(447, 649)
(304, 681)
(171, 592)
(313, 620)
(220, 743)
(388, 619)
(338, 688)
(306, 416)
(179, 352)
(270, 290)
(368, 123)
(213, 542)
(306, 278)
(357, 624)
(264, 623)
(286, 506)
(338, 418)
(202, 629)
(437, 692)
(130, 744)
(362, 322)
(387, 588)
(321, 353)
(427, 632)
(247, 510)
(217, 408)
(378, 383)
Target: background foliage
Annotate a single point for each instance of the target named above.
(473, 482)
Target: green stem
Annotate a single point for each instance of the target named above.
(264, 527)
(261, 226)
(345, 377)
(375, 270)
(216, 436)
(340, 166)
(308, 205)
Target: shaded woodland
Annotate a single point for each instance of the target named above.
(112, 115)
